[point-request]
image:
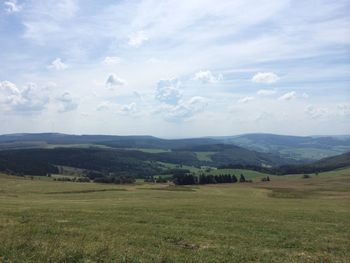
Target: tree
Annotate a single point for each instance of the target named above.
(242, 179)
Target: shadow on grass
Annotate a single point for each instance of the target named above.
(85, 191)
(170, 188)
(291, 193)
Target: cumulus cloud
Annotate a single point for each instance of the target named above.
(103, 106)
(129, 109)
(29, 98)
(245, 99)
(266, 92)
(265, 77)
(207, 77)
(316, 112)
(136, 39)
(343, 109)
(111, 60)
(168, 91)
(58, 64)
(185, 109)
(8, 91)
(113, 80)
(12, 6)
(66, 102)
(288, 96)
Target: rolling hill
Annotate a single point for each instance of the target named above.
(307, 148)
(324, 165)
(300, 148)
(142, 156)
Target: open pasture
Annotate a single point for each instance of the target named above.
(289, 219)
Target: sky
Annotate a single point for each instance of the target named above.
(175, 68)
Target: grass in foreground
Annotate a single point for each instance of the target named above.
(289, 219)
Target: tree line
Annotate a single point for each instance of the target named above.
(191, 179)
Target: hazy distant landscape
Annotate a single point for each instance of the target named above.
(70, 198)
(174, 131)
(145, 156)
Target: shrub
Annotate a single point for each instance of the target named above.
(242, 179)
(161, 180)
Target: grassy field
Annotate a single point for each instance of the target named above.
(204, 156)
(289, 219)
(148, 150)
(83, 145)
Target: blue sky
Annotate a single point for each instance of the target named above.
(175, 68)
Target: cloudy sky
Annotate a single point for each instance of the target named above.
(175, 68)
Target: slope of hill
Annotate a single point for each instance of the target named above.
(141, 153)
(41, 161)
(296, 147)
(134, 162)
(324, 165)
(222, 154)
(40, 140)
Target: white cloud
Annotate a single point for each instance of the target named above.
(316, 112)
(8, 90)
(288, 96)
(168, 91)
(245, 99)
(113, 80)
(103, 106)
(266, 92)
(343, 109)
(58, 64)
(265, 77)
(207, 77)
(66, 102)
(136, 39)
(27, 99)
(129, 109)
(184, 110)
(111, 60)
(12, 6)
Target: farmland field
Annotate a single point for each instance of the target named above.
(289, 219)
(204, 156)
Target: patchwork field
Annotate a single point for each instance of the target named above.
(289, 219)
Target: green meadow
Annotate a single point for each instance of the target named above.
(289, 219)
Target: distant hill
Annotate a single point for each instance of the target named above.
(222, 154)
(261, 150)
(132, 162)
(39, 140)
(323, 165)
(307, 148)
(296, 147)
(326, 164)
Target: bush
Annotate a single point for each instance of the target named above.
(82, 180)
(242, 179)
(113, 179)
(265, 179)
(64, 179)
(161, 180)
